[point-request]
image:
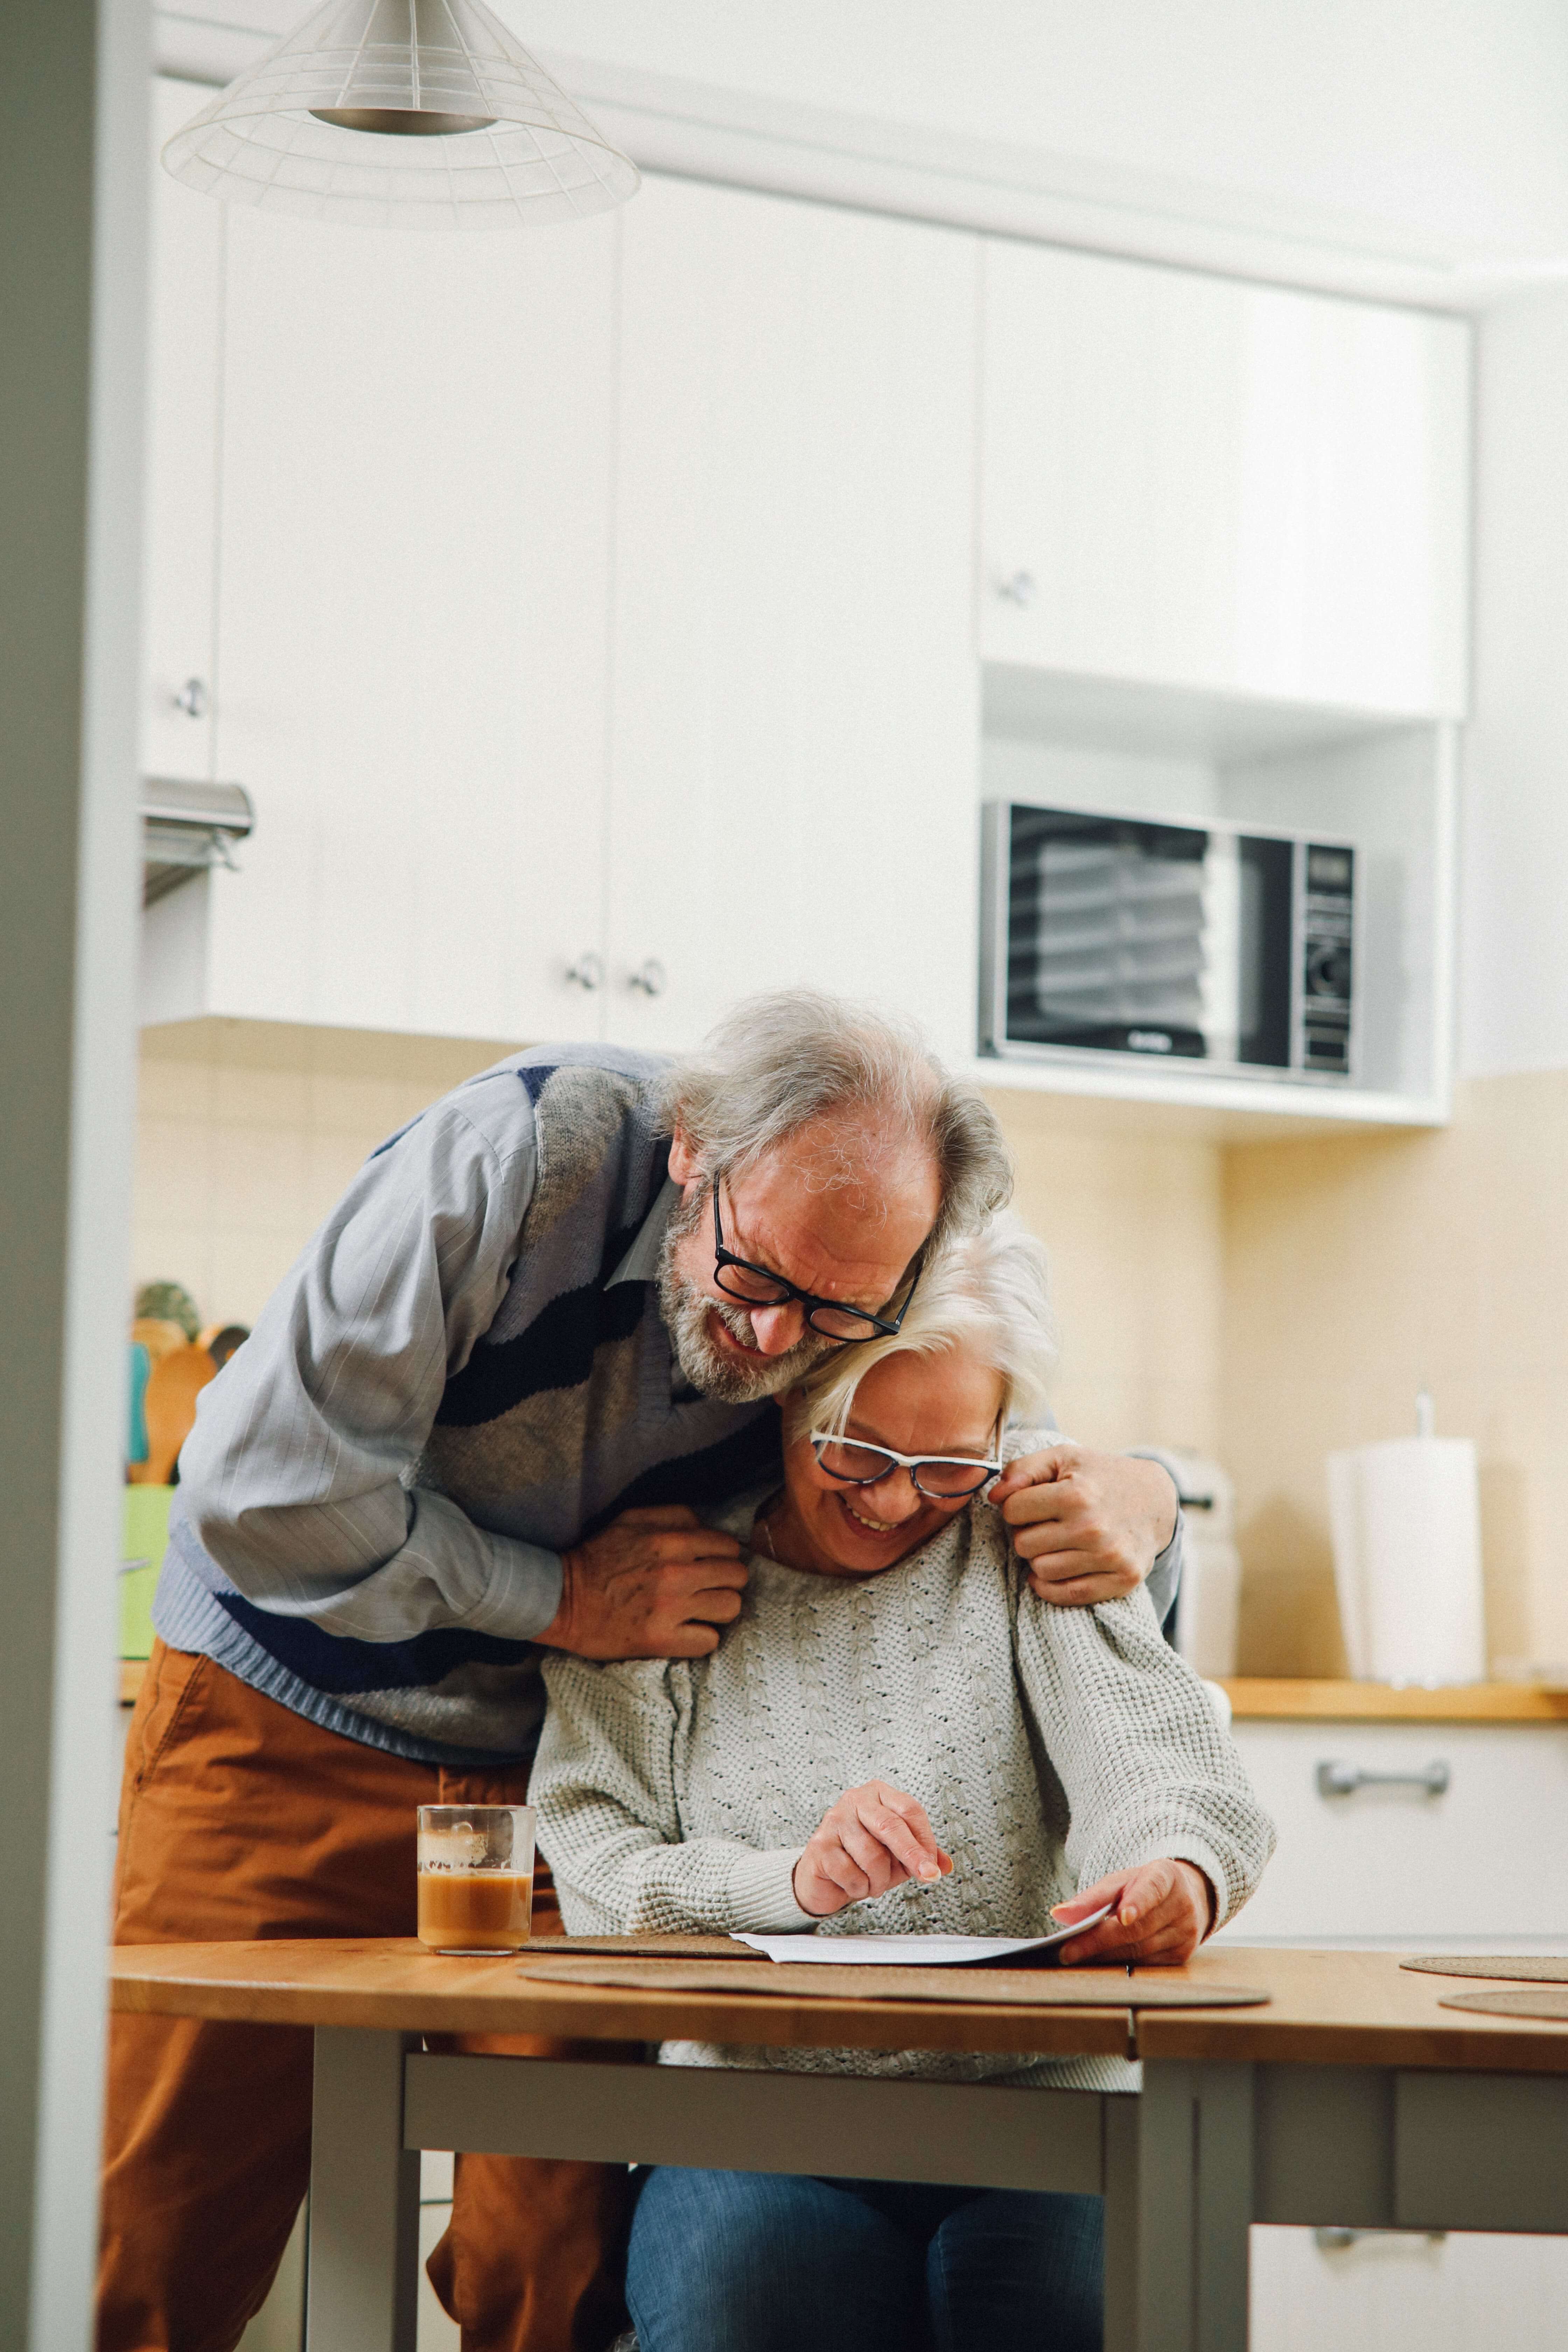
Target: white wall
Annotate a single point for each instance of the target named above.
(1514, 933)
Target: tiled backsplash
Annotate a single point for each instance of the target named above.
(1359, 1269)
(1263, 1302)
(248, 1133)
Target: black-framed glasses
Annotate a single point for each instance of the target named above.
(758, 1286)
(940, 1477)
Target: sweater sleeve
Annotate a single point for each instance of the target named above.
(605, 1787)
(1145, 1765)
(296, 1478)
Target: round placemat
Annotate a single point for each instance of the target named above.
(990, 1988)
(1521, 1968)
(1545, 2000)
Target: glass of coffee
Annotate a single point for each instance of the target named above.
(475, 1877)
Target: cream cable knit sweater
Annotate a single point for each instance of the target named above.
(1049, 1745)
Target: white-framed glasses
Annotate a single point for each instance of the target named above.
(940, 1477)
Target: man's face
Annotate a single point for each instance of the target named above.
(850, 1242)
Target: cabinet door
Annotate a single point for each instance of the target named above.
(413, 625)
(795, 723)
(1202, 483)
(180, 530)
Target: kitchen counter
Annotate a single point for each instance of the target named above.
(1276, 1699)
(1255, 1699)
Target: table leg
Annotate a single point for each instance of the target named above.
(1178, 2189)
(362, 2262)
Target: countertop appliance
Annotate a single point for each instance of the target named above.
(1222, 945)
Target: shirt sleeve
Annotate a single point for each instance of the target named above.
(605, 1785)
(1146, 1768)
(297, 1477)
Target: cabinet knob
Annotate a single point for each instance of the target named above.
(192, 698)
(587, 972)
(1018, 590)
(650, 977)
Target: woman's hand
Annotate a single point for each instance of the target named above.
(1087, 1526)
(1164, 1911)
(873, 1838)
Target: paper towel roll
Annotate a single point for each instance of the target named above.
(1405, 1519)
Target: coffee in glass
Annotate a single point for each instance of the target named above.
(475, 1877)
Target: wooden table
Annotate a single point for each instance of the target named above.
(1350, 2099)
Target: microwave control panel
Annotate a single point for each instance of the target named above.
(1327, 906)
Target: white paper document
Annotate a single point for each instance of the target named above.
(911, 1951)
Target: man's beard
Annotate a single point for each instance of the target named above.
(686, 1309)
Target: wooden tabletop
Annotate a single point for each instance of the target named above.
(398, 1984)
(1324, 2008)
(1256, 1698)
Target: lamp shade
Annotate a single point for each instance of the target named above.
(402, 113)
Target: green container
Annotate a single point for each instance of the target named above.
(144, 1539)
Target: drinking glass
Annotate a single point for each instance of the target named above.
(475, 1877)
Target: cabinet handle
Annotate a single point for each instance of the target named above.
(192, 698)
(1019, 590)
(1335, 2242)
(588, 972)
(650, 977)
(1344, 1779)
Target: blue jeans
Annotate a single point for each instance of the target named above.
(745, 2262)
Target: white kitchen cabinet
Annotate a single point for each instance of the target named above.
(796, 728)
(415, 532)
(179, 533)
(1482, 1867)
(1194, 482)
(409, 535)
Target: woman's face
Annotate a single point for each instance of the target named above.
(949, 1404)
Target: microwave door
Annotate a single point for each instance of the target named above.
(1265, 928)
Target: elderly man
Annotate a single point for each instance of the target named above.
(480, 1416)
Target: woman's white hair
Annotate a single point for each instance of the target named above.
(782, 1060)
(987, 1292)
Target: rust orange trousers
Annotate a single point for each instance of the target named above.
(238, 1819)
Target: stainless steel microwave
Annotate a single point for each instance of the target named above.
(1221, 945)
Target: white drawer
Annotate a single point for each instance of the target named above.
(1488, 1859)
(1401, 2293)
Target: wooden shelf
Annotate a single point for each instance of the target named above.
(132, 1671)
(1254, 1699)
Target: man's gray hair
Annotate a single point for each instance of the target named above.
(987, 1292)
(781, 1060)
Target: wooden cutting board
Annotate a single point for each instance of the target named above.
(812, 1980)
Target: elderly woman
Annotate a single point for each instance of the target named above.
(895, 1714)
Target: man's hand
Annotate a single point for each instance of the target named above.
(653, 1584)
(873, 1838)
(1164, 1911)
(1089, 1526)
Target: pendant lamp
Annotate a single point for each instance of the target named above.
(402, 114)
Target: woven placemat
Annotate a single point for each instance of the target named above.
(647, 1947)
(1522, 1969)
(812, 1980)
(1540, 2000)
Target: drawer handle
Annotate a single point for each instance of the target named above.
(1335, 2242)
(1344, 1779)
